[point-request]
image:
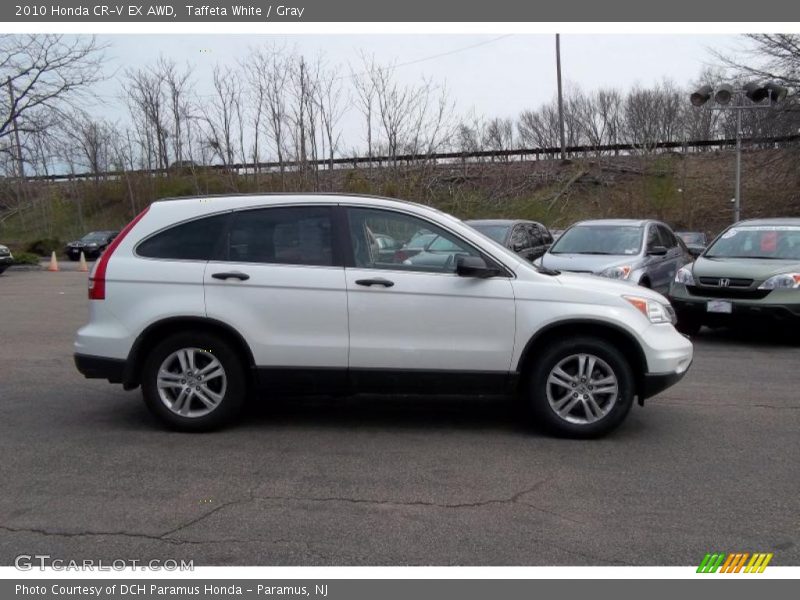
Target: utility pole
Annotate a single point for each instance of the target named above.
(560, 99)
(737, 199)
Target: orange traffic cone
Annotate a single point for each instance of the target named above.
(53, 262)
(83, 267)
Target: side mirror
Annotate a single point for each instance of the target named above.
(518, 246)
(695, 251)
(474, 266)
(657, 251)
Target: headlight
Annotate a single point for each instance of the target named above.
(622, 272)
(684, 276)
(655, 311)
(782, 281)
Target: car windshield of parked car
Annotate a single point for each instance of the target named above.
(442, 244)
(692, 237)
(420, 239)
(95, 236)
(599, 239)
(767, 242)
(498, 233)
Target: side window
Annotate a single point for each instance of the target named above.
(419, 245)
(653, 239)
(194, 240)
(535, 234)
(519, 238)
(667, 239)
(547, 238)
(299, 235)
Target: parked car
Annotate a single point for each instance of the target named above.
(750, 272)
(92, 245)
(695, 241)
(6, 258)
(641, 251)
(527, 238)
(199, 302)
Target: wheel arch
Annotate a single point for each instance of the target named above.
(155, 332)
(610, 332)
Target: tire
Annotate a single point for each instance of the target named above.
(215, 400)
(688, 325)
(585, 411)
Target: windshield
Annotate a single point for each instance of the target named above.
(692, 237)
(599, 239)
(496, 232)
(770, 242)
(95, 236)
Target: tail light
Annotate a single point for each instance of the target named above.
(97, 278)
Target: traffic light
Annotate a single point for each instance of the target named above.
(724, 94)
(755, 92)
(701, 96)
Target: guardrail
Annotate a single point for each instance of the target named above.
(385, 160)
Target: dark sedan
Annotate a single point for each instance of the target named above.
(92, 244)
(529, 239)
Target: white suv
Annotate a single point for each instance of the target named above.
(204, 300)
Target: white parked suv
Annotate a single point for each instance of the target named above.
(202, 301)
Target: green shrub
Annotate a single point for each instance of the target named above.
(44, 246)
(26, 258)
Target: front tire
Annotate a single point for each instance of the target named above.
(194, 382)
(581, 387)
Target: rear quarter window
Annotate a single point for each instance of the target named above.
(195, 240)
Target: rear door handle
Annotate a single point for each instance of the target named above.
(377, 281)
(232, 275)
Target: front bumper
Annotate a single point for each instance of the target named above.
(655, 383)
(99, 367)
(779, 306)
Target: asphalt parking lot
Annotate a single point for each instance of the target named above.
(709, 465)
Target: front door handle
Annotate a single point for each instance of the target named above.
(232, 275)
(377, 281)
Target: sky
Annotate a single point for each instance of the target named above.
(491, 75)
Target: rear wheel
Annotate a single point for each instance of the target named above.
(194, 382)
(581, 387)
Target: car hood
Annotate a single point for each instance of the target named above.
(743, 268)
(588, 263)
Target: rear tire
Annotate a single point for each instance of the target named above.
(194, 382)
(581, 387)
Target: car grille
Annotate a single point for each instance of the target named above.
(727, 292)
(732, 282)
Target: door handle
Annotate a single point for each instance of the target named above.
(232, 275)
(377, 281)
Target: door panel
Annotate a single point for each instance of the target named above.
(423, 316)
(292, 306)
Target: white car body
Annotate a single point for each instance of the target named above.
(317, 319)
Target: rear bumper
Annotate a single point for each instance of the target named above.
(98, 367)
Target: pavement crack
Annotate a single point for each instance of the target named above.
(514, 499)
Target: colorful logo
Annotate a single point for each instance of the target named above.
(735, 562)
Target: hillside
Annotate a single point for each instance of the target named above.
(691, 191)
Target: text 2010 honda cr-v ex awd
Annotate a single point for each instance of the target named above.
(203, 300)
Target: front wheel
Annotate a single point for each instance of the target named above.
(581, 387)
(194, 382)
